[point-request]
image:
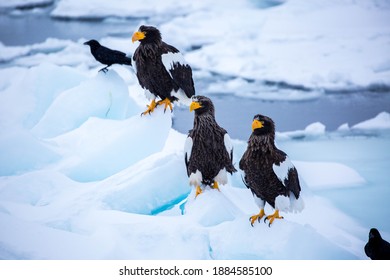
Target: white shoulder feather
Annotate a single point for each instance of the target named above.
(281, 170)
(188, 147)
(228, 143)
(169, 59)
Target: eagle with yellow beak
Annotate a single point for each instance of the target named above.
(269, 173)
(161, 70)
(208, 151)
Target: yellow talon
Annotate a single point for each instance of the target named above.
(272, 217)
(215, 186)
(198, 191)
(150, 108)
(167, 103)
(257, 217)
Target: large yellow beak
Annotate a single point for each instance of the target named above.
(138, 36)
(256, 124)
(195, 105)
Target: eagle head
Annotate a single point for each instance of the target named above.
(202, 105)
(147, 34)
(263, 125)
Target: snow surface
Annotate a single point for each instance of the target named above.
(84, 176)
(106, 183)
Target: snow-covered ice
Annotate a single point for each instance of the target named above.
(114, 185)
(84, 176)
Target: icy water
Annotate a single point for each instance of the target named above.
(233, 112)
(25, 28)
(236, 113)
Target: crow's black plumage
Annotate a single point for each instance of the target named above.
(107, 56)
(269, 173)
(208, 151)
(161, 69)
(377, 248)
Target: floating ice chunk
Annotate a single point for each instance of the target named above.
(313, 130)
(324, 175)
(381, 121)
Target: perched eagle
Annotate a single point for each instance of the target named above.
(376, 247)
(269, 173)
(208, 152)
(161, 69)
(107, 56)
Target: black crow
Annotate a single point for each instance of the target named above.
(376, 247)
(107, 56)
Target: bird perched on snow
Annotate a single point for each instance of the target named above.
(269, 173)
(107, 56)
(161, 69)
(208, 151)
(376, 247)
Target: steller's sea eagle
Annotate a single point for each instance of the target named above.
(269, 173)
(208, 151)
(161, 69)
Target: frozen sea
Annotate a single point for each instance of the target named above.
(84, 176)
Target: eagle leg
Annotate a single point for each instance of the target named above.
(150, 108)
(215, 186)
(167, 103)
(257, 217)
(198, 191)
(272, 217)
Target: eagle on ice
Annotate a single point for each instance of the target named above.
(208, 151)
(161, 70)
(269, 173)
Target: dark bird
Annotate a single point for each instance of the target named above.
(208, 151)
(269, 173)
(161, 70)
(107, 56)
(376, 247)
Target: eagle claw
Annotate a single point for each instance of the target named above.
(150, 109)
(272, 217)
(198, 191)
(167, 103)
(257, 217)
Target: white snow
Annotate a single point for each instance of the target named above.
(105, 96)
(84, 176)
(313, 130)
(320, 175)
(332, 45)
(381, 121)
